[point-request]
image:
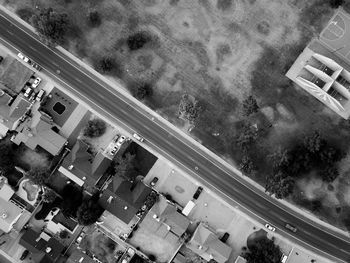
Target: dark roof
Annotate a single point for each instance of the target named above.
(86, 166)
(67, 222)
(79, 257)
(39, 243)
(123, 198)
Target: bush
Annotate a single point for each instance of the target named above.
(63, 234)
(105, 64)
(95, 128)
(138, 40)
(141, 91)
(336, 3)
(25, 13)
(94, 19)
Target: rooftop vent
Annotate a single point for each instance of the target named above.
(109, 200)
(70, 167)
(48, 249)
(125, 208)
(4, 216)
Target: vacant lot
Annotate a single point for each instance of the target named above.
(219, 52)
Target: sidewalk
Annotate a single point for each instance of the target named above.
(215, 159)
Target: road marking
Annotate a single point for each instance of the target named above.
(123, 97)
(8, 31)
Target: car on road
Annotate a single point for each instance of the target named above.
(128, 255)
(154, 181)
(291, 227)
(270, 227)
(198, 192)
(23, 57)
(120, 141)
(36, 82)
(36, 66)
(138, 137)
(24, 254)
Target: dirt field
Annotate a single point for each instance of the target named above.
(219, 52)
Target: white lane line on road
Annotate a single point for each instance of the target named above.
(107, 89)
(8, 31)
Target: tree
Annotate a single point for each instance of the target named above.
(94, 19)
(336, 3)
(95, 128)
(246, 165)
(329, 173)
(63, 234)
(280, 185)
(125, 166)
(250, 106)
(89, 211)
(6, 158)
(247, 136)
(72, 198)
(49, 195)
(138, 40)
(39, 176)
(51, 26)
(189, 109)
(105, 64)
(151, 199)
(141, 91)
(263, 251)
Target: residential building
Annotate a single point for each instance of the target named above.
(9, 211)
(57, 222)
(207, 245)
(84, 168)
(123, 198)
(79, 257)
(43, 247)
(11, 110)
(39, 131)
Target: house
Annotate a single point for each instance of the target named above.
(323, 68)
(9, 211)
(39, 131)
(167, 214)
(57, 222)
(43, 247)
(123, 198)
(79, 257)
(207, 245)
(82, 167)
(11, 110)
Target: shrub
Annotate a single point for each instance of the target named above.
(104, 64)
(95, 128)
(94, 19)
(25, 13)
(138, 40)
(141, 91)
(336, 3)
(63, 234)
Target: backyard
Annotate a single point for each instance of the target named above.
(219, 52)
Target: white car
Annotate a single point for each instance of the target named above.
(120, 141)
(271, 228)
(138, 137)
(36, 82)
(28, 92)
(24, 58)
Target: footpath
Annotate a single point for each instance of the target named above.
(119, 87)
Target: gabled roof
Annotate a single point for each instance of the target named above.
(168, 214)
(19, 107)
(10, 114)
(38, 131)
(48, 248)
(79, 257)
(207, 245)
(123, 198)
(84, 165)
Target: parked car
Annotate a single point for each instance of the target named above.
(284, 258)
(128, 255)
(270, 227)
(40, 95)
(154, 181)
(24, 58)
(291, 227)
(36, 82)
(28, 92)
(138, 137)
(24, 254)
(224, 238)
(198, 192)
(120, 141)
(36, 66)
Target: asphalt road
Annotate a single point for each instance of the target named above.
(175, 147)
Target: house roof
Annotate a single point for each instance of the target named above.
(67, 222)
(6, 192)
(86, 166)
(41, 243)
(179, 258)
(169, 215)
(9, 214)
(79, 257)
(38, 131)
(207, 245)
(10, 114)
(123, 198)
